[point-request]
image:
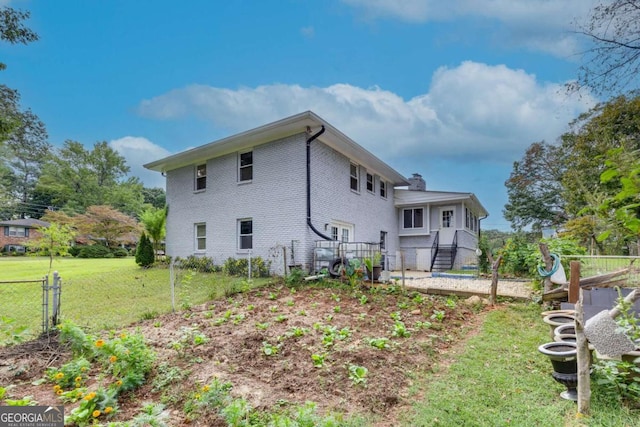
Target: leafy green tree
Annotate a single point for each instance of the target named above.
(534, 188)
(28, 147)
(56, 239)
(155, 197)
(621, 210)
(144, 253)
(76, 178)
(12, 30)
(614, 124)
(154, 221)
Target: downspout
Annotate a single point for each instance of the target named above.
(309, 140)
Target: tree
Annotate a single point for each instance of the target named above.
(154, 221)
(612, 64)
(156, 197)
(76, 178)
(12, 30)
(56, 239)
(107, 224)
(28, 147)
(613, 124)
(144, 252)
(534, 188)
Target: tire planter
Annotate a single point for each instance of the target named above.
(336, 266)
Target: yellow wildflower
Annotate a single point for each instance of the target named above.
(205, 388)
(59, 376)
(123, 335)
(113, 359)
(90, 396)
(119, 383)
(78, 378)
(197, 395)
(56, 387)
(96, 413)
(84, 368)
(99, 343)
(108, 409)
(59, 391)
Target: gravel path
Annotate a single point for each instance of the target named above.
(464, 286)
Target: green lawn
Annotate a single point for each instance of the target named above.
(501, 379)
(103, 293)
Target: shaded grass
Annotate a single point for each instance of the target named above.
(501, 379)
(107, 293)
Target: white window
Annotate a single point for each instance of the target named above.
(245, 234)
(355, 177)
(370, 183)
(201, 177)
(18, 232)
(342, 231)
(383, 189)
(245, 166)
(413, 218)
(201, 237)
(447, 218)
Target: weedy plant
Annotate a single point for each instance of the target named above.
(270, 349)
(358, 374)
(379, 343)
(318, 360)
(400, 330)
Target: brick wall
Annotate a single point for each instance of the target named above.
(276, 201)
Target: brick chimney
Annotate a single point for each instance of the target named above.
(416, 183)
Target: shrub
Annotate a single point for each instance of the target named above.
(120, 253)
(94, 251)
(240, 267)
(74, 251)
(199, 264)
(144, 254)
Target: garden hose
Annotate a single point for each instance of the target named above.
(556, 264)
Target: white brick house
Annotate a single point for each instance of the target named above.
(289, 184)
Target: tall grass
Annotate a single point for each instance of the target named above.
(105, 293)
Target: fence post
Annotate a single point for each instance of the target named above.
(55, 310)
(45, 303)
(249, 265)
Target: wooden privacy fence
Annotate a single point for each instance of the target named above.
(27, 303)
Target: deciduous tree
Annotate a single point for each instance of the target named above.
(534, 188)
(105, 223)
(56, 239)
(612, 63)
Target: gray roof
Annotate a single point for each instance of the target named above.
(276, 130)
(27, 222)
(405, 198)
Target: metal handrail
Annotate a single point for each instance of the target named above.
(434, 248)
(454, 249)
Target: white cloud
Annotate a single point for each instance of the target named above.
(541, 25)
(473, 111)
(138, 151)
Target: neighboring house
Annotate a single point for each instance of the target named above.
(281, 190)
(16, 234)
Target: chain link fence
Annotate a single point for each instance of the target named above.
(28, 308)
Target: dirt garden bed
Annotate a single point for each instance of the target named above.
(391, 333)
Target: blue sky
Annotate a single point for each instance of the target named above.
(454, 90)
